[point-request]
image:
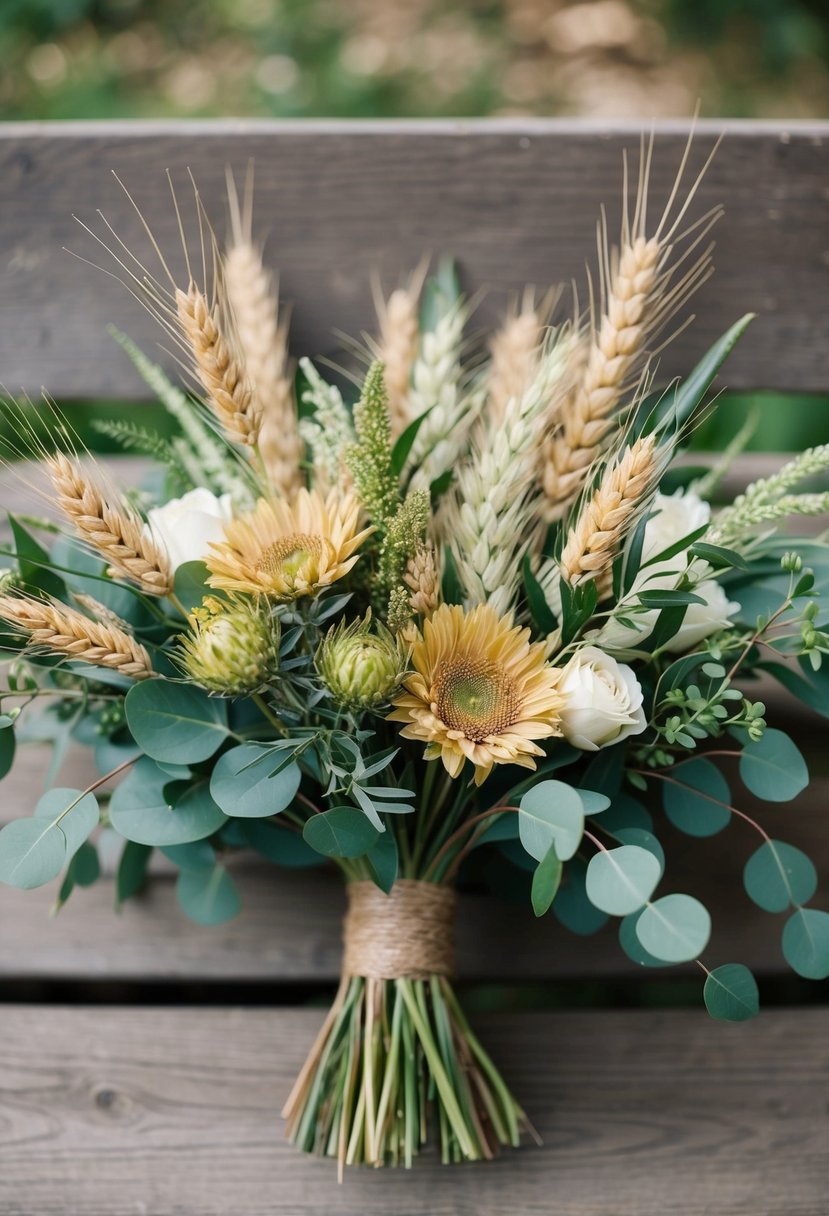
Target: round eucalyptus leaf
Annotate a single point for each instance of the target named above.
(175, 723)
(620, 881)
(75, 813)
(572, 907)
(692, 805)
(341, 832)
(251, 782)
(730, 993)
(208, 896)
(806, 943)
(773, 768)
(626, 812)
(197, 855)
(551, 813)
(7, 746)
(675, 928)
(383, 859)
(645, 840)
(32, 852)
(778, 876)
(630, 943)
(592, 802)
(140, 811)
(278, 844)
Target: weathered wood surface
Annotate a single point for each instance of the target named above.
(289, 928)
(512, 201)
(113, 1112)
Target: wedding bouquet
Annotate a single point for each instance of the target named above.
(483, 608)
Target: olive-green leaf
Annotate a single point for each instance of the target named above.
(730, 993)
(175, 722)
(546, 881)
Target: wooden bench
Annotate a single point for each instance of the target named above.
(143, 1059)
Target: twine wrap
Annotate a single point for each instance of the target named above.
(408, 934)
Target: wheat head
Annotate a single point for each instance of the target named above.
(605, 518)
(63, 630)
(221, 374)
(113, 529)
(422, 579)
(263, 340)
(397, 349)
(515, 351)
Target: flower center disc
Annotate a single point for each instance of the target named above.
(475, 697)
(291, 556)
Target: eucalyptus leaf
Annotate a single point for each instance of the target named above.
(175, 722)
(383, 861)
(778, 876)
(140, 811)
(691, 798)
(622, 880)
(7, 748)
(773, 767)
(341, 832)
(132, 870)
(806, 943)
(644, 840)
(190, 584)
(244, 782)
(630, 943)
(731, 994)
(278, 843)
(675, 928)
(551, 813)
(208, 896)
(571, 905)
(34, 851)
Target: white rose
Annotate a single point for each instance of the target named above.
(700, 620)
(674, 516)
(602, 700)
(185, 527)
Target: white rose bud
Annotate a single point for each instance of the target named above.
(602, 700)
(700, 620)
(186, 527)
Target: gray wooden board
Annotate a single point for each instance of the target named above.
(514, 201)
(173, 1112)
(289, 927)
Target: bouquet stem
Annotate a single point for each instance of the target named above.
(396, 1064)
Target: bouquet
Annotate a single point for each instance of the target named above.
(480, 611)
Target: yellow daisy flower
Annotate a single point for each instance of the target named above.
(480, 691)
(286, 550)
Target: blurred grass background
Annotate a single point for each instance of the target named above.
(405, 58)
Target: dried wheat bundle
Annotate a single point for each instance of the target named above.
(515, 351)
(62, 630)
(398, 345)
(112, 528)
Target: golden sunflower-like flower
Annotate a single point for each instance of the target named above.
(286, 550)
(480, 691)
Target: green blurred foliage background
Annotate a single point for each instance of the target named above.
(400, 58)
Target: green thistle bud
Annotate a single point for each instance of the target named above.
(233, 647)
(360, 665)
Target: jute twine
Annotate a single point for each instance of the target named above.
(408, 934)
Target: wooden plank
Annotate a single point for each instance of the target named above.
(289, 927)
(118, 1111)
(513, 201)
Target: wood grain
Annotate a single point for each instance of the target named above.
(512, 201)
(289, 927)
(117, 1112)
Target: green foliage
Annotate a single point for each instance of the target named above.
(806, 943)
(177, 722)
(730, 993)
(675, 928)
(774, 769)
(546, 880)
(34, 851)
(693, 797)
(148, 808)
(208, 894)
(622, 880)
(341, 832)
(251, 781)
(369, 458)
(778, 876)
(551, 814)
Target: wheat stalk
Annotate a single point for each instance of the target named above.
(263, 340)
(641, 289)
(422, 579)
(397, 350)
(219, 371)
(605, 518)
(118, 534)
(515, 351)
(62, 630)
